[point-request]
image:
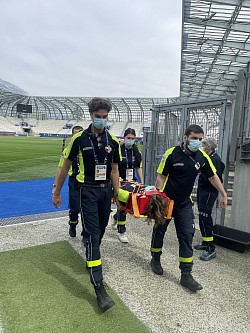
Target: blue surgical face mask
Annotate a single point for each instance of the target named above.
(100, 123)
(194, 145)
(129, 143)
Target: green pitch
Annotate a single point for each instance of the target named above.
(28, 158)
(46, 289)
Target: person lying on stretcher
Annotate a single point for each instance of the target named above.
(145, 201)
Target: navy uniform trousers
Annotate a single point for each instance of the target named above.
(120, 217)
(74, 200)
(95, 211)
(184, 224)
(206, 200)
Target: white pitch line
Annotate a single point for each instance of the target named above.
(36, 221)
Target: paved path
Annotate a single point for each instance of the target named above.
(166, 307)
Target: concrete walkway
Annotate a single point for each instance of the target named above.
(223, 306)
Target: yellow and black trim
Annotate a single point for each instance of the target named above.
(155, 249)
(163, 160)
(94, 263)
(208, 239)
(182, 259)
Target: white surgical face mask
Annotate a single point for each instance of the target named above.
(129, 143)
(100, 123)
(194, 145)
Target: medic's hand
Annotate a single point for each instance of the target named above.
(116, 201)
(57, 199)
(223, 202)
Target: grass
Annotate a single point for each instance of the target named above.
(47, 289)
(28, 158)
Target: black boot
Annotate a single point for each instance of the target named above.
(103, 300)
(72, 230)
(156, 265)
(189, 282)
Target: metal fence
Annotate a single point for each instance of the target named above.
(169, 122)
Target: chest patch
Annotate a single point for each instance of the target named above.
(86, 148)
(178, 164)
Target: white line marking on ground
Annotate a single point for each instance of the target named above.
(36, 221)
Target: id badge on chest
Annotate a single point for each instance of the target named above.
(100, 171)
(129, 174)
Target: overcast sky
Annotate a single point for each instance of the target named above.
(112, 48)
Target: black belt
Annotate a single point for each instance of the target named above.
(96, 185)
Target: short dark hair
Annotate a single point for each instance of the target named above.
(129, 131)
(77, 127)
(193, 128)
(98, 103)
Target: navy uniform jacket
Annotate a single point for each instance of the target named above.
(81, 142)
(131, 163)
(203, 181)
(181, 170)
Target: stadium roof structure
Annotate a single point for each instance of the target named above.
(215, 46)
(52, 107)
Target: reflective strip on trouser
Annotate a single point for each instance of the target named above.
(155, 250)
(157, 239)
(208, 239)
(184, 225)
(95, 211)
(73, 222)
(94, 263)
(206, 200)
(120, 217)
(181, 259)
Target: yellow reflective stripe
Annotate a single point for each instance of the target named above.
(154, 249)
(73, 222)
(163, 160)
(66, 152)
(94, 263)
(62, 158)
(163, 186)
(190, 259)
(121, 222)
(70, 171)
(80, 176)
(208, 239)
(209, 161)
(69, 147)
(61, 161)
(123, 195)
(119, 146)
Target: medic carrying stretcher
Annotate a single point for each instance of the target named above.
(143, 201)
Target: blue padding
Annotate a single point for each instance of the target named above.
(29, 197)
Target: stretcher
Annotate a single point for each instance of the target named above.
(134, 199)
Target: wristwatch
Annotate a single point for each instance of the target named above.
(53, 185)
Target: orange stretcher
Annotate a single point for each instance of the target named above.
(138, 200)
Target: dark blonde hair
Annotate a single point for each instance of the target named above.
(156, 209)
